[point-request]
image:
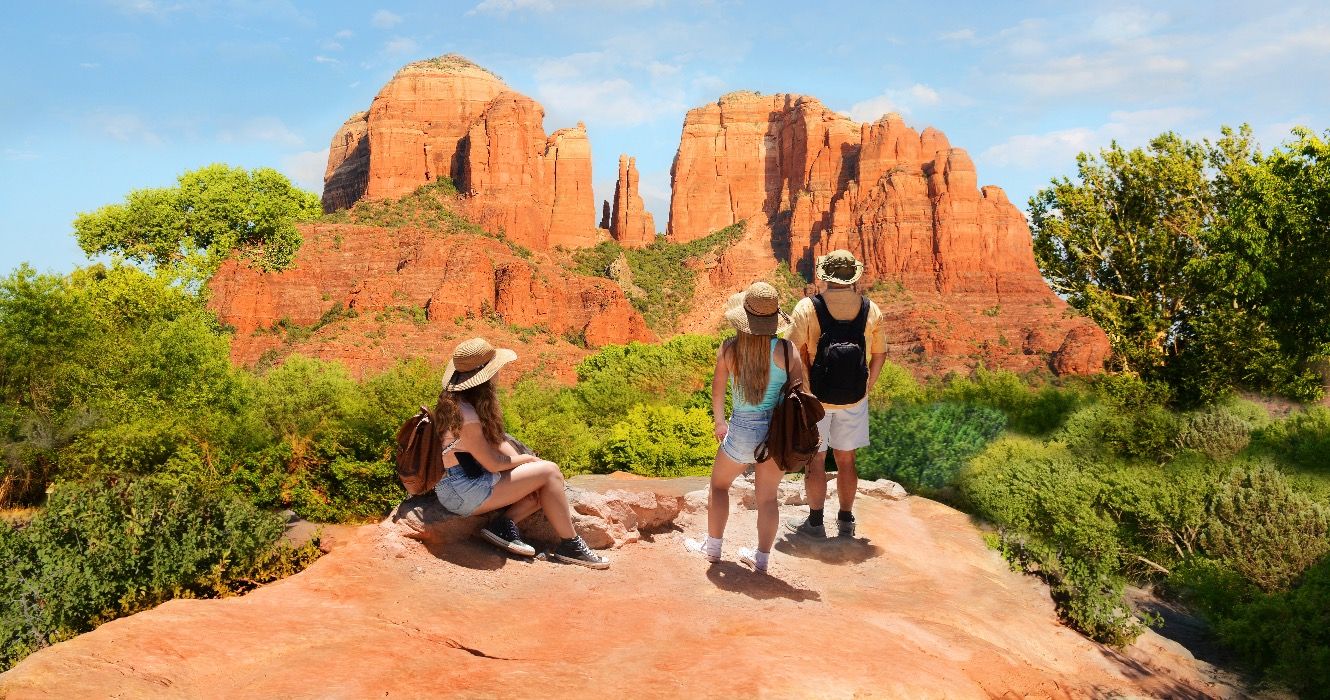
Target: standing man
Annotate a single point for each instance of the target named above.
(842, 340)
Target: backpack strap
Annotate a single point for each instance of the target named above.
(860, 324)
(825, 320)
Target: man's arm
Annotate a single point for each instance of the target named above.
(875, 368)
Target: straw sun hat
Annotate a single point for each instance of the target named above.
(756, 310)
(839, 267)
(473, 363)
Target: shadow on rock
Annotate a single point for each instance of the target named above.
(472, 554)
(832, 550)
(736, 578)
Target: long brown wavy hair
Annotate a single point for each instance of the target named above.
(750, 358)
(484, 399)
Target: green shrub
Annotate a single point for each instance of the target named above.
(1263, 529)
(659, 441)
(101, 550)
(925, 446)
(894, 385)
(1218, 433)
(1029, 410)
(1161, 511)
(1301, 440)
(1143, 432)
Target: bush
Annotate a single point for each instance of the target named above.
(895, 385)
(105, 549)
(1218, 433)
(659, 441)
(925, 446)
(1301, 440)
(1030, 411)
(1263, 529)
(1146, 432)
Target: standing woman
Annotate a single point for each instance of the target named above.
(755, 361)
(485, 473)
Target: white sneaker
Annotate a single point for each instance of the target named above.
(695, 546)
(749, 557)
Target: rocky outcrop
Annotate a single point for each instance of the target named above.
(906, 203)
(447, 117)
(630, 224)
(430, 287)
(942, 615)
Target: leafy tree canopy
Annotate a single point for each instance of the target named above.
(211, 212)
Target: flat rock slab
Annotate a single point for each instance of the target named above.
(916, 607)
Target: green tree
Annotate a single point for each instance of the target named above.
(211, 212)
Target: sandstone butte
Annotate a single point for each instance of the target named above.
(915, 607)
(951, 264)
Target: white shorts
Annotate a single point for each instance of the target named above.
(845, 428)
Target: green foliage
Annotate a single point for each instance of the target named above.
(1301, 440)
(1204, 263)
(1264, 530)
(1028, 410)
(659, 441)
(1218, 432)
(926, 446)
(211, 212)
(660, 270)
(101, 550)
(894, 385)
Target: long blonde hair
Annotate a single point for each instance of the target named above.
(750, 360)
(484, 399)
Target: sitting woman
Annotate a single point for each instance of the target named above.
(756, 360)
(486, 473)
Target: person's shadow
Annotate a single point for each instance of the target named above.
(736, 578)
(831, 550)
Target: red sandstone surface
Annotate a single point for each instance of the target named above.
(447, 117)
(809, 180)
(630, 223)
(915, 607)
(416, 293)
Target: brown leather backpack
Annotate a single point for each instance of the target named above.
(792, 438)
(419, 453)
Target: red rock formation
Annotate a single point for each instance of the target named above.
(429, 289)
(905, 203)
(447, 117)
(631, 224)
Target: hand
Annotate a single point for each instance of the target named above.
(722, 429)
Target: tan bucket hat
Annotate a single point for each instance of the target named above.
(839, 267)
(756, 310)
(474, 362)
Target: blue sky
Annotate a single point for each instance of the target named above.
(102, 97)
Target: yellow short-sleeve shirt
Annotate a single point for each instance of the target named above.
(843, 304)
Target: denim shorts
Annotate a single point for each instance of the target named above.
(462, 495)
(747, 430)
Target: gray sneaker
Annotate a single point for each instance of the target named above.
(803, 527)
(844, 528)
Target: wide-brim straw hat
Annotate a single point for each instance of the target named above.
(756, 310)
(839, 267)
(474, 362)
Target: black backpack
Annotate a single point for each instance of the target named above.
(839, 374)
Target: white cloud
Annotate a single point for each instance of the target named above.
(331, 45)
(126, 127)
(90, 66)
(383, 19)
(326, 59)
(262, 129)
(344, 34)
(151, 8)
(17, 154)
(900, 101)
(306, 168)
(610, 101)
(401, 45)
(1049, 149)
(504, 7)
(966, 34)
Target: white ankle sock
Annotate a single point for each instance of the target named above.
(711, 547)
(762, 559)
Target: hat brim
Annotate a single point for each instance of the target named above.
(742, 320)
(461, 381)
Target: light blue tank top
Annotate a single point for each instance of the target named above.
(775, 380)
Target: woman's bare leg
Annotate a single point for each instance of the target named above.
(718, 504)
(524, 508)
(541, 478)
(767, 485)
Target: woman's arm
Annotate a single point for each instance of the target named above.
(797, 372)
(718, 383)
(492, 457)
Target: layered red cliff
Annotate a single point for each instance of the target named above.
(447, 117)
(630, 223)
(958, 259)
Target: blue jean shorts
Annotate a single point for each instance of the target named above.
(462, 495)
(747, 430)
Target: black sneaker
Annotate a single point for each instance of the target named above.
(503, 533)
(575, 551)
(845, 528)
